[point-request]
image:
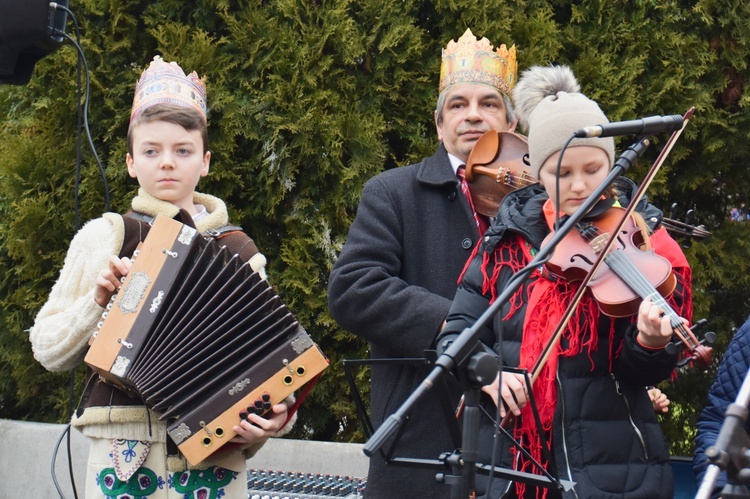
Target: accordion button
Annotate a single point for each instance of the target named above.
(266, 397)
(243, 416)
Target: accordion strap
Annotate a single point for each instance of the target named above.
(138, 224)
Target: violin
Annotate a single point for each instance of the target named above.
(498, 164)
(687, 228)
(680, 228)
(631, 273)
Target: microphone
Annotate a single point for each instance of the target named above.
(643, 126)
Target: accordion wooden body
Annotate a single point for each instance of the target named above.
(200, 338)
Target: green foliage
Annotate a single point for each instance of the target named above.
(309, 99)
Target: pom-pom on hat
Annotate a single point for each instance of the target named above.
(470, 60)
(164, 82)
(550, 106)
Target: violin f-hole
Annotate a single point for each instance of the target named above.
(575, 258)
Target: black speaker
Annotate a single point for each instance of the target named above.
(29, 31)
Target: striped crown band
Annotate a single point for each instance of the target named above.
(163, 83)
(471, 60)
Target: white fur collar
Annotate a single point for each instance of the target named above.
(150, 205)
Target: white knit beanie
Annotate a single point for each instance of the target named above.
(550, 106)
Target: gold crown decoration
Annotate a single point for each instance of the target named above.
(471, 60)
(164, 82)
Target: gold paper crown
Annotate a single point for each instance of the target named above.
(474, 61)
(164, 82)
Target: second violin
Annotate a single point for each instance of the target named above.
(497, 165)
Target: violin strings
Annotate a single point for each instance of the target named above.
(627, 270)
(629, 273)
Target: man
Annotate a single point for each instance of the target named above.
(396, 276)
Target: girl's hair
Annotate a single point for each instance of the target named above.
(186, 117)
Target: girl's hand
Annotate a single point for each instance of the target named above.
(513, 392)
(654, 327)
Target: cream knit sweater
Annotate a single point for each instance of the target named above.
(64, 325)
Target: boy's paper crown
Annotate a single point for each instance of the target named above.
(164, 82)
(474, 61)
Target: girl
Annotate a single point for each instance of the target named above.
(595, 413)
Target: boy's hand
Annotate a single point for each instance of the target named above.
(258, 429)
(108, 280)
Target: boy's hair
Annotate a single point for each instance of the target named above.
(187, 118)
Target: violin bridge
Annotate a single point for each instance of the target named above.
(598, 243)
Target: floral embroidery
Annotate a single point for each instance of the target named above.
(203, 484)
(141, 485)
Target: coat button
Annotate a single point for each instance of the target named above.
(467, 243)
(452, 196)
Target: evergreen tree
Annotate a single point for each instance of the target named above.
(309, 99)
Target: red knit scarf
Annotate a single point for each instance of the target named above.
(548, 300)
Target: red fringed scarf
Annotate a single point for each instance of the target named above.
(548, 300)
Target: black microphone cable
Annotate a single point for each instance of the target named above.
(66, 432)
(82, 60)
(82, 123)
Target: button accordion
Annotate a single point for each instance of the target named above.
(200, 338)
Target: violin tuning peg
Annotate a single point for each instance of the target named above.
(671, 348)
(683, 362)
(701, 323)
(690, 217)
(709, 338)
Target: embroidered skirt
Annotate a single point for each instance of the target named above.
(131, 469)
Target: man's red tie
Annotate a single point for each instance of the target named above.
(481, 220)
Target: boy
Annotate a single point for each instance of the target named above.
(168, 154)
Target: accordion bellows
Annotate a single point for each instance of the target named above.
(200, 338)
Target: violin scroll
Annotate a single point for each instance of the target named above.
(700, 353)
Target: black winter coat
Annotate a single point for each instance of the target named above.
(605, 435)
(392, 285)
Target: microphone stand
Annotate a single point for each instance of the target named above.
(461, 352)
(731, 452)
